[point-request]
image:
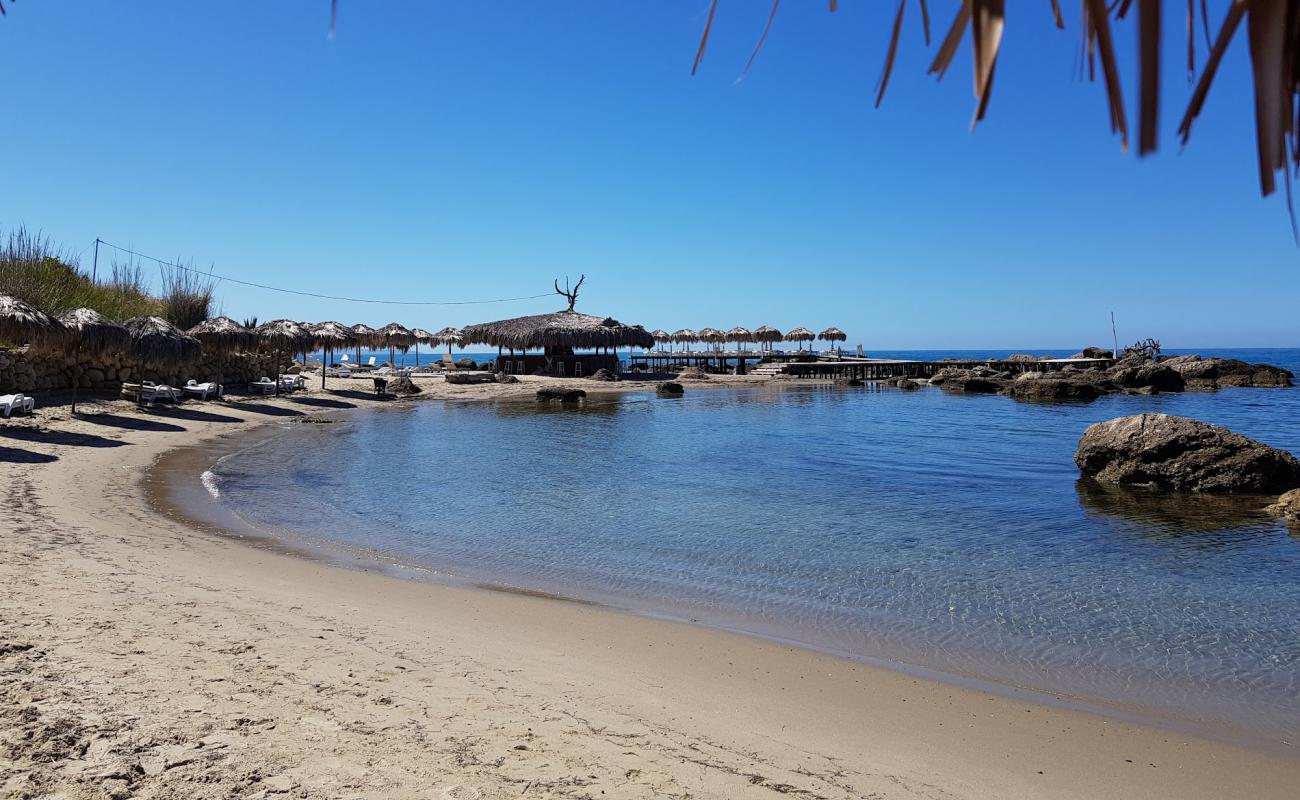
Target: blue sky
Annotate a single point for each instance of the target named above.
(450, 151)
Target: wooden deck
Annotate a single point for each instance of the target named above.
(806, 365)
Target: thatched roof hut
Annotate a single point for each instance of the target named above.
(833, 334)
(363, 335)
(223, 335)
(684, 335)
(91, 332)
(661, 335)
(155, 340)
(424, 337)
(330, 335)
(21, 323)
(562, 329)
(766, 333)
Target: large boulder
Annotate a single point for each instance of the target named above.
(1139, 372)
(603, 374)
(466, 363)
(1287, 506)
(670, 387)
(1215, 373)
(1181, 454)
(401, 386)
(1077, 385)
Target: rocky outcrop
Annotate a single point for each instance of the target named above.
(907, 384)
(400, 385)
(563, 394)
(1136, 372)
(1021, 357)
(466, 363)
(1216, 373)
(670, 387)
(1287, 506)
(1078, 385)
(503, 377)
(1180, 454)
(603, 374)
(978, 380)
(468, 377)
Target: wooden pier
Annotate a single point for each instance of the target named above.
(807, 365)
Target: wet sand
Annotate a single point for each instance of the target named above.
(142, 657)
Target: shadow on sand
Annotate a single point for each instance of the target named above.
(45, 436)
(14, 455)
(258, 408)
(130, 423)
(324, 402)
(192, 414)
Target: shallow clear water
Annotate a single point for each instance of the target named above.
(940, 530)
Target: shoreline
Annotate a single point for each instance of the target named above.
(609, 694)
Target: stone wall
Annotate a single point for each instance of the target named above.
(26, 370)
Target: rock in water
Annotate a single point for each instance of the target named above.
(1215, 373)
(1185, 455)
(401, 386)
(562, 393)
(907, 384)
(670, 387)
(979, 379)
(1287, 506)
(1138, 372)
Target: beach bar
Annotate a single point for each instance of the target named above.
(563, 344)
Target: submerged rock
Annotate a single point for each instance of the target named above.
(1287, 506)
(907, 384)
(564, 394)
(849, 382)
(1181, 454)
(1056, 386)
(980, 379)
(670, 387)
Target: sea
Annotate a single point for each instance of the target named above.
(924, 530)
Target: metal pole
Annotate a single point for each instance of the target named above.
(94, 270)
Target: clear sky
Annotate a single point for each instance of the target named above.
(452, 151)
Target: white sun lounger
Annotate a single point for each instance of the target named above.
(153, 392)
(264, 386)
(20, 402)
(201, 390)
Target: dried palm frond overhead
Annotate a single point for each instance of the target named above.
(1272, 33)
(223, 335)
(284, 334)
(157, 341)
(560, 329)
(21, 323)
(90, 332)
(801, 335)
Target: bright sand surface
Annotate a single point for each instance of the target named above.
(141, 657)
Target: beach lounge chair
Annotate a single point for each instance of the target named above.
(263, 386)
(131, 391)
(338, 372)
(21, 403)
(153, 392)
(201, 390)
(293, 382)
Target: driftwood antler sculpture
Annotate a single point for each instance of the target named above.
(571, 294)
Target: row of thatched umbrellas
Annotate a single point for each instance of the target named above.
(155, 341)
(766, 335)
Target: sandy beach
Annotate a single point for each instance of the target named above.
(140, 657)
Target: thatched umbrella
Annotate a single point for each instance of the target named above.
(364, 336)
(833, 334)
(396, 337)
(328, 336)
(562, 329)
(21, 323)
(421, 335)
(766, 335)
(283, 335)
(711, 336)
(220, 336)
(92, 333)
(801, 335)
(157, 341)
(661, 335)
(685, 336)
(449, 336)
